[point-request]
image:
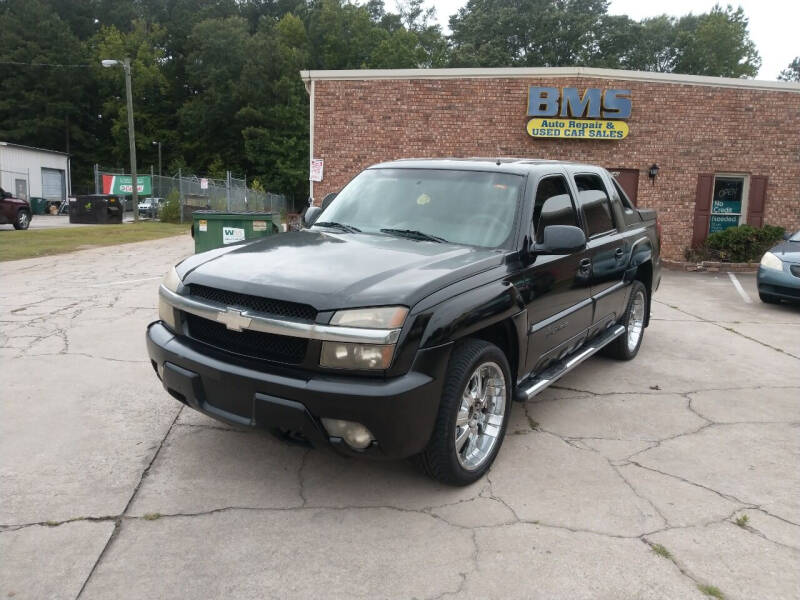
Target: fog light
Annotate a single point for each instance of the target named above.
(355, 434)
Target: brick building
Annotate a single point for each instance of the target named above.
(727, 150)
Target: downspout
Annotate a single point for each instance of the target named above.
(311, 141)
(308, 82)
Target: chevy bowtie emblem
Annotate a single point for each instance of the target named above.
(233, 319)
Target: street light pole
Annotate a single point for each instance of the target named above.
(126, 66)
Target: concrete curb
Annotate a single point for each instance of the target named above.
(711, 266)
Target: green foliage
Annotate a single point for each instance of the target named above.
(716, 43)
(171, 209)
(496, 33)
(744, 243)
(711, 590)
(792, 72)
(662, 551)
(742, 520)
(217, 81)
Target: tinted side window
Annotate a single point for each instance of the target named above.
(594, 203)
(553, 205)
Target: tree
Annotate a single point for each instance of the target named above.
(217, 53)
(792, 72)
(40, 105)
(154, 118)
(717, 44)
(274, 119)
(497, 33)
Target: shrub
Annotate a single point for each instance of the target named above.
(741, 244)
(171, 209)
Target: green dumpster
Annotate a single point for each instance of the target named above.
(214, 229)
(38, 205)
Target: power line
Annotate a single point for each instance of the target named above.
(24, 64)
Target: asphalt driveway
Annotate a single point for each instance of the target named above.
(648, 479)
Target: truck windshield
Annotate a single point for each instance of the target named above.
(463, 207)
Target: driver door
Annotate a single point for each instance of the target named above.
(558, 299)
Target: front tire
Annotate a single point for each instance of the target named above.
(626, 346)
(473, 415)
(23, 220)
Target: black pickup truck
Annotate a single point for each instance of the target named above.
(413, 308)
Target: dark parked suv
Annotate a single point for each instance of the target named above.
(413, 309)
(14, 210)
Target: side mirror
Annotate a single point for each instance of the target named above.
(561, 239)
(328, 199)
(6, 194)
(787, 235)
(311, 215)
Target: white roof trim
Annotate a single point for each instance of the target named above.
(528, 72)
(33, 148)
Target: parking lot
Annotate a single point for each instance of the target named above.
(650, 479)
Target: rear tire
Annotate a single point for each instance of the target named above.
(473, 415)
(23, 220)
(768, 298)
(626, 346)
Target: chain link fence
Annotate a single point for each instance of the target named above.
(205, 193)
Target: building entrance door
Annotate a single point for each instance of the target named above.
(21, 188)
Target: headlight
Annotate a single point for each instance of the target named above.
(770, 261)
(348, 355)
(383, 317)
(171, 280)
(166, 312)
(340, 355)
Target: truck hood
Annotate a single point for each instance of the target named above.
(331, 270)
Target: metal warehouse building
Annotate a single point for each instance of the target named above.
(34, 172)
(706, 152)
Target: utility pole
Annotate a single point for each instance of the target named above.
(159, 157)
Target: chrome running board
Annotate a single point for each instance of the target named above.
(538, 382)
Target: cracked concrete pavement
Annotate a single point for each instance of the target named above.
(627, 480)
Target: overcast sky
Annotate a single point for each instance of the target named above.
(773, 23)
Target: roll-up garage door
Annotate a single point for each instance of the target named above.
(53, 184)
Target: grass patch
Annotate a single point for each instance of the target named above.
(52, 523)
(15, 245)
(742, 520)
(151, 516)
(711, 590)
(661, 551)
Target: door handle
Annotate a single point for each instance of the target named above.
(585, 264)
(619, 252)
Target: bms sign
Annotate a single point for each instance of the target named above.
(566, 113)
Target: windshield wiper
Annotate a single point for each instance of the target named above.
(413, 234)
(342, 226)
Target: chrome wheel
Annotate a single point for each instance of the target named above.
(22, 220)
(636, 320)
(480, 416)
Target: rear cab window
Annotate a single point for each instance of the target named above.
(619, 198)
(595, 204)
